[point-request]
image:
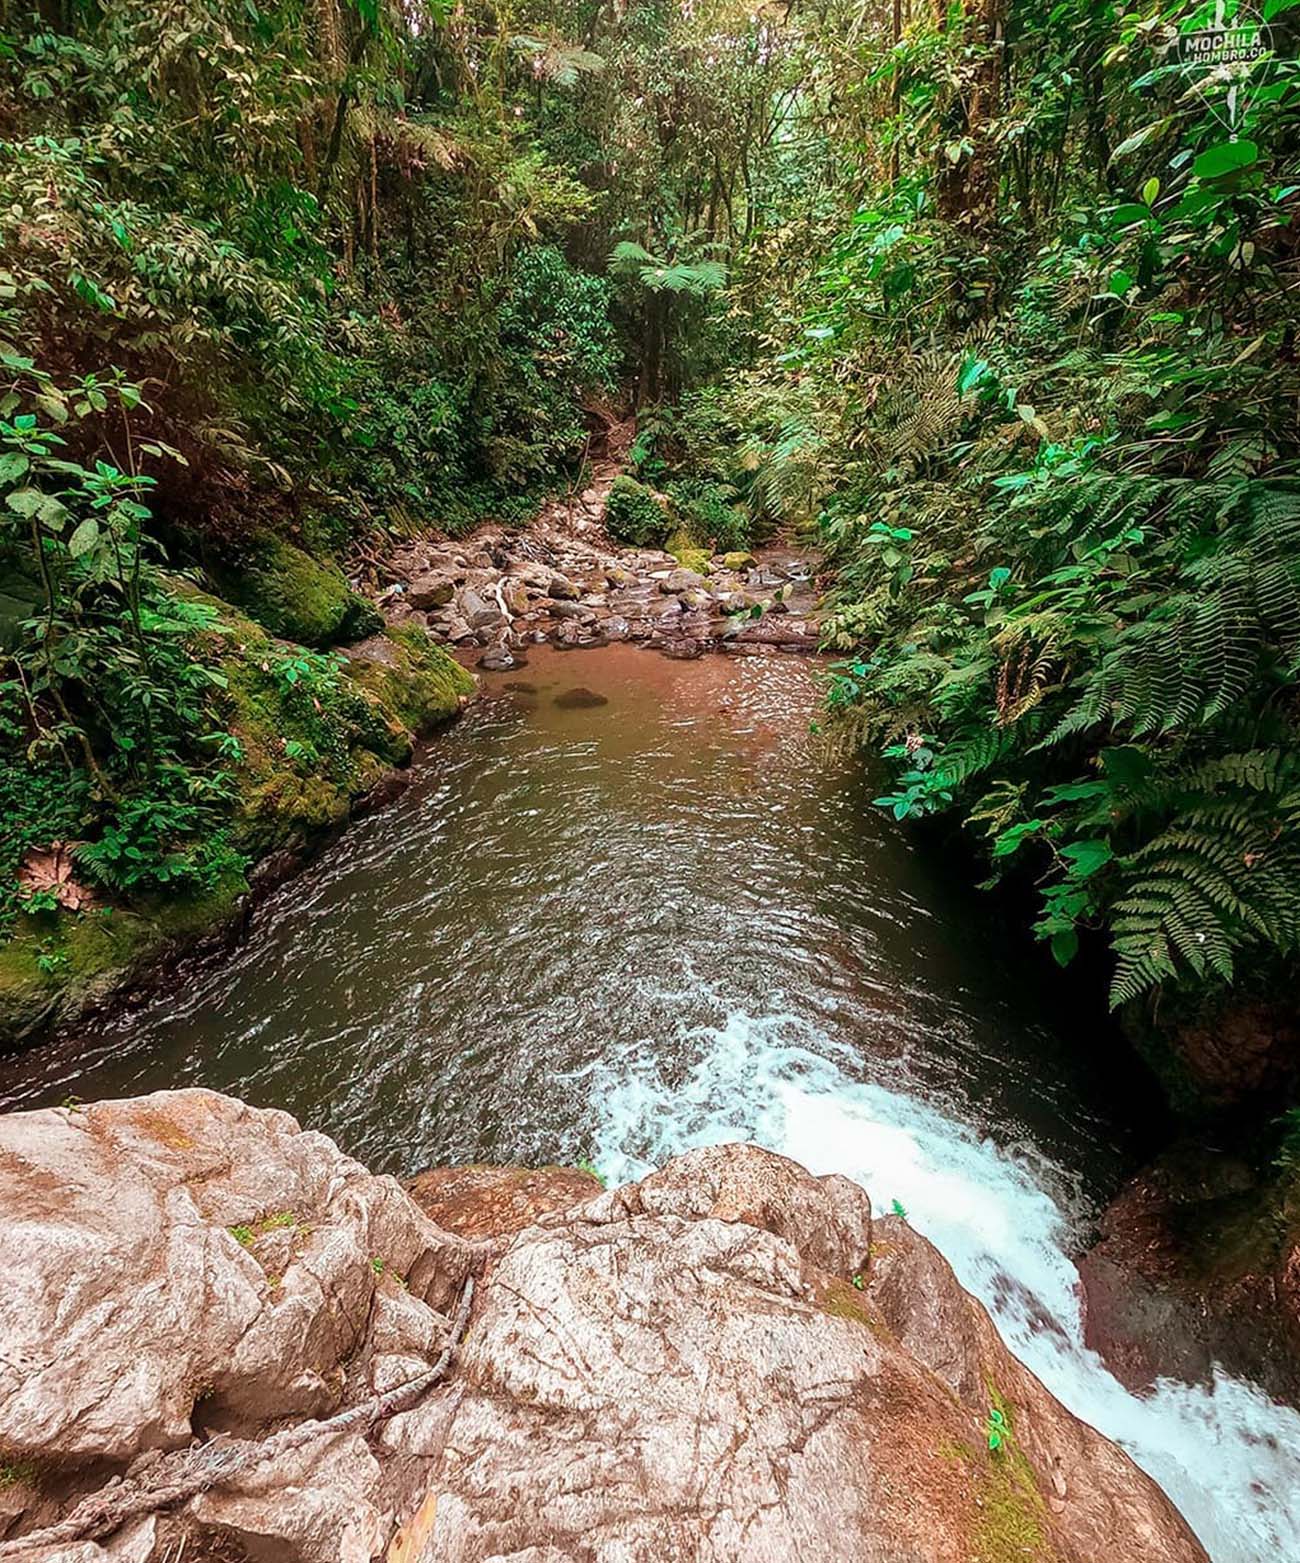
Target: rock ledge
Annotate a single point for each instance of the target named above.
(729, 1359)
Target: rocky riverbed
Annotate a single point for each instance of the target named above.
(729, 1359)
(564, 581)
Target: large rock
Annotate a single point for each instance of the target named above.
(183, 1256)
(726, 1361)
(1198, 1267)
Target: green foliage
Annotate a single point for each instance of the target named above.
(709, 511)
(1045, 389)
(633, 515)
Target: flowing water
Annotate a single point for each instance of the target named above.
(632, 905)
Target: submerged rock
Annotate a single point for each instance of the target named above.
(580, 699)
(727, 1360)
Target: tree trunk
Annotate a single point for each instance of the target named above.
(967, 188)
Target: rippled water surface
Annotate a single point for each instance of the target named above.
(630, 905)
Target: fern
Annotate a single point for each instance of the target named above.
(1224, 875)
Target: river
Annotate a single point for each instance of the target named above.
(630, 905)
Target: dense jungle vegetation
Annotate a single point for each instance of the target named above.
(997, 298)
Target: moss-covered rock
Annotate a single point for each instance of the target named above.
(636, 515)
(740, 559)
(688, 553)
(312, 734)
(58, 965)
(294, 595)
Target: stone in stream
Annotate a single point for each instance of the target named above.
(731, 1359)
(681, 581)
(434, 590)
(580, 699)
(498, 659)
(561, 586)
(571, 610)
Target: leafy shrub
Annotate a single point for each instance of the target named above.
(634, 516)
(710, 513)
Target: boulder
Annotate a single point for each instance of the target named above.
(562, 587)
(183, 1256)
(681, 581)
(433, 590)
(729, 1359)
(739, 559)
(700, 1366)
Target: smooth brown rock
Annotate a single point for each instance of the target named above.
(431, 591)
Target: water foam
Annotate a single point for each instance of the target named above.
(1226, 1454)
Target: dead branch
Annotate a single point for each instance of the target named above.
(157, 1481)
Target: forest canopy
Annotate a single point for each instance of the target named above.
(997, 300)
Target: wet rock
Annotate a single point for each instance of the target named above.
(458, 630)
(516, 597)
(498, 659)
(1198, 1265)
(617, 576)
(580, 699)
(738, 559)
(431, 591)
(562, 587)
(695, 599)
(571, 610)
(616, 627)
(684, 650)
(680, 581)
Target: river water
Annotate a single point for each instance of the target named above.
(631, 905)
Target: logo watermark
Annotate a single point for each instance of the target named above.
(1226, 61)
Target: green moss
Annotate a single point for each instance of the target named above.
(293, 595)
(93, 953)
(314, 734)
(739, 560)
(417, 681)
(16, 1472)
(1011, 1524)
(635, 516)
(687, 552)
(246, 1233)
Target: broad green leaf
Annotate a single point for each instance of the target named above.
(26, 501)
(1086, 857)
(1227, 158)
(1065, 946)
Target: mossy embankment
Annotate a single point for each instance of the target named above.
(307, 739)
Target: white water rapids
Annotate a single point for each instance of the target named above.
(1226, 1454)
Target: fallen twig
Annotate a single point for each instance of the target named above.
(161, 1481)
